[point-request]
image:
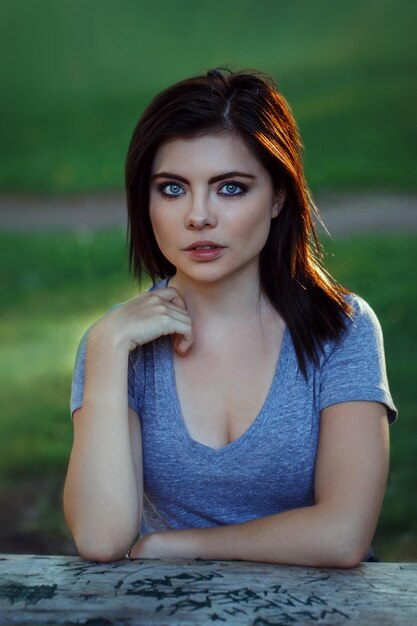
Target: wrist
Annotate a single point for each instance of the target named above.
(106, 334)
(166, 544)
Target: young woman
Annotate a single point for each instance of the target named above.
(239, 409)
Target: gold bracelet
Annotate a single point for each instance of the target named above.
(129, 552)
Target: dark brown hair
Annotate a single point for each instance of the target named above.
(248, 104)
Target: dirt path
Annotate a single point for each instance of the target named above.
(343, 213)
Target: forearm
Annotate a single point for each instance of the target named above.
(101, 501)
(350, 477)
(309, 536)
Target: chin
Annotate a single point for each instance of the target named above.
(207, 276)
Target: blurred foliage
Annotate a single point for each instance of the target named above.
(77, 75)
(58, 284)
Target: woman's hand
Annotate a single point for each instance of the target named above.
(159, 545)
(170, 544)
(149, 316)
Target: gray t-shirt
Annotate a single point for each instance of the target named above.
(270, 468)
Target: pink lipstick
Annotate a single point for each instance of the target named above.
(204, 250)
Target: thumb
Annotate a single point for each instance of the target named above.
(182, 344)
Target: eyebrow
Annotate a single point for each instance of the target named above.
(212, 180)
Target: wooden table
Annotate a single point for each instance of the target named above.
(67, 590)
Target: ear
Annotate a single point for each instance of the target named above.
(279, 201)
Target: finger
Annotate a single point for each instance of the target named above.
(178, 314)
(171, 295)
(179, 346)
(170, 306)
(182, 343)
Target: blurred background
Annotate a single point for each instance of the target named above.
(75, 77)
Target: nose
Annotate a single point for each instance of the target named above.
(200, 215)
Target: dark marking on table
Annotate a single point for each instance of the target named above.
(180, 598)
(171, 592)
(29, 594)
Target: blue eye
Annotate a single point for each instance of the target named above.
(233, 189)
(175, 189)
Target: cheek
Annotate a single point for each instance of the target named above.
(254, 225)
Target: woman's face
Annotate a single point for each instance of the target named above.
(211, 204)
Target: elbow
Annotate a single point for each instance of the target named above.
(101, 556)
(104, 548)
(103, 545)
(346, 550)
(344, 559)
(338, 557)
(104, 553)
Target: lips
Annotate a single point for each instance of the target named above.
(204, 245)
(203, 251)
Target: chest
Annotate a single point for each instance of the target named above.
(221, 391)
(271, 469)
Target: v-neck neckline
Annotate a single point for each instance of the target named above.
(251, 432)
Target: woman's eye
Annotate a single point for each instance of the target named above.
(171, 189)
(233, 189)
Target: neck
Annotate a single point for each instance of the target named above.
(226, 302)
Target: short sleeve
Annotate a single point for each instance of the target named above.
(354, 368)
(77, 388)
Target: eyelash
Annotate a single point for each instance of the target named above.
(243, 188)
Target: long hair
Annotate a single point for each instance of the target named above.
(248, 104)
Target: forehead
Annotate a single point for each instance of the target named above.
(211, 152)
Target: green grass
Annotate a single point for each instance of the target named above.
(77, 75)
(58, 284)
